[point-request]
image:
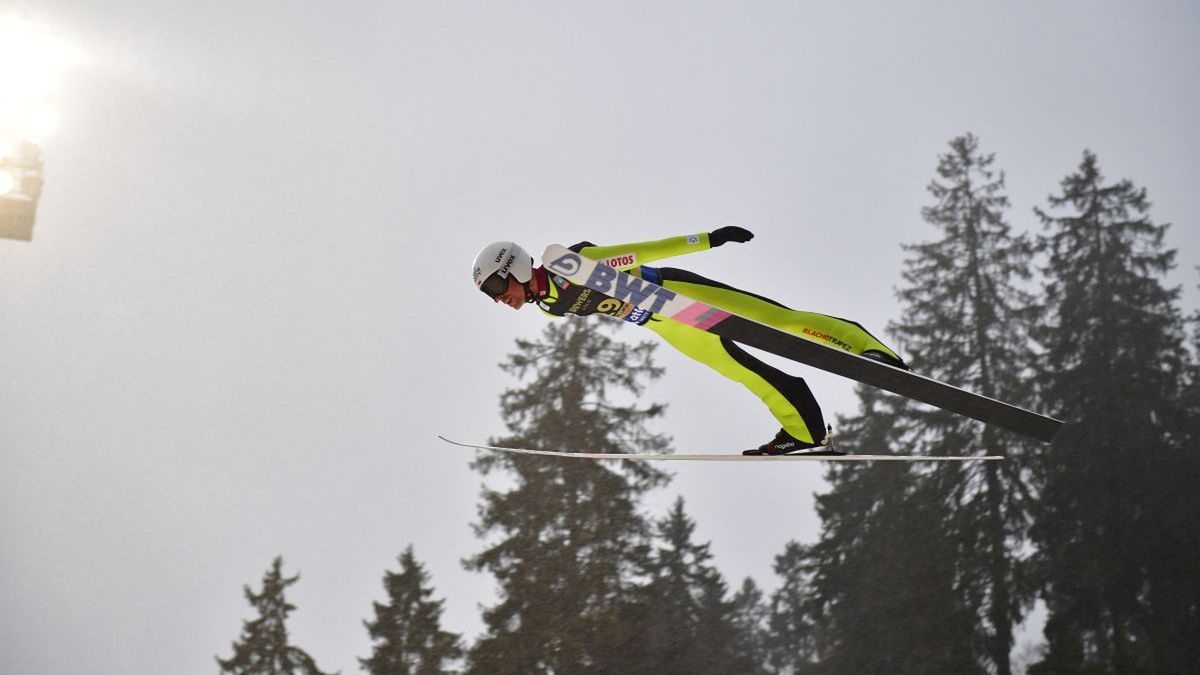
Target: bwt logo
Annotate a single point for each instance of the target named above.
(621, 286)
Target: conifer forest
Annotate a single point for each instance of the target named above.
(1063, 307)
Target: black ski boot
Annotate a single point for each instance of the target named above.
(785, 444)
(888, 359)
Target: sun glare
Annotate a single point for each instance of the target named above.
(32, 62)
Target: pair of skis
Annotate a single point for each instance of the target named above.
(654, 298)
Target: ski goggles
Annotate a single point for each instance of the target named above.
(494, 286)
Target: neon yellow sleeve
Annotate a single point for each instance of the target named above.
(628, 256)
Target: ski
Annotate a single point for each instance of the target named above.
(654, 298)
(729, 458)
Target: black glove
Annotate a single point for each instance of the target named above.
(729, 233)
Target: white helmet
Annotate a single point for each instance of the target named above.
(496, 262)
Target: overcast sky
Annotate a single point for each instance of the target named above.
(247, 311)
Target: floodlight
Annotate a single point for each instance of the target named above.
(20, 190)
(32, 61)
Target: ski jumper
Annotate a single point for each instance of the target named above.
(787, 396)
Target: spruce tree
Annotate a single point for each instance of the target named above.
(571, 539)
(967, 319)
(407, 634)
(1180, 598)
(791, 643)
(750, 619)
(914, 570)
(883, 590)
(1116, 526)
(686, 622)
(263, 647)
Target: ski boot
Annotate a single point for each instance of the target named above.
(887, 359)
(785, 444)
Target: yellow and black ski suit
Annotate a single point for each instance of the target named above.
(787, 396)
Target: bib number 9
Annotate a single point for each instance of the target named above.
(613, 307)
